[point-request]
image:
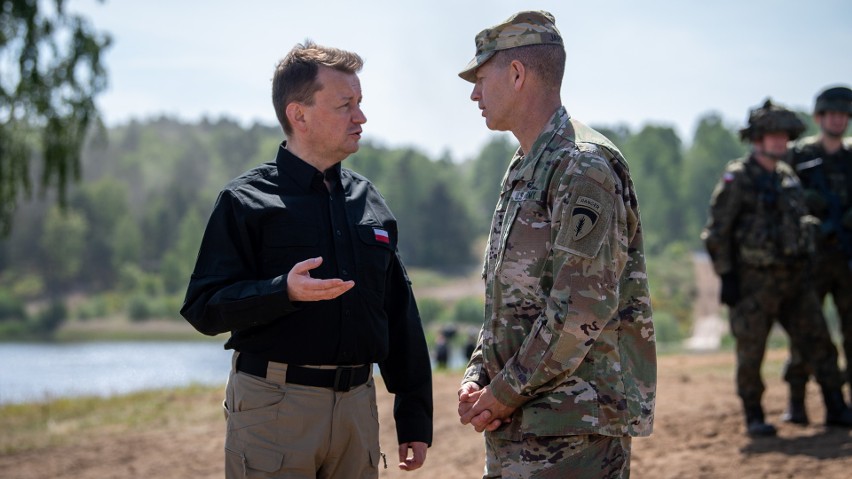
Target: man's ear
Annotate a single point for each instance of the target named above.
(518, 74)
(296, 116)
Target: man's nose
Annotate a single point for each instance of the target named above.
(359, 116)
(474, 94)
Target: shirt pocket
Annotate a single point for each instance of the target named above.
(374, 251)
(285, 244)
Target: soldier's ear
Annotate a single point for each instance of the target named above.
(517, 74)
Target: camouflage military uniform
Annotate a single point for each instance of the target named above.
(829, 177)
(758, 230)
(568, 338)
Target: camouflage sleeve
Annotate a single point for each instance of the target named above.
(589, 237)
(718, 234)
(475, 371)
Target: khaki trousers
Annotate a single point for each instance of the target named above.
(281, 430)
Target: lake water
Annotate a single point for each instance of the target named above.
(35, 372)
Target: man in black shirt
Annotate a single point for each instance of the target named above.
(299, 262)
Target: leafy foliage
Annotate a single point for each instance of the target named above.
(149, 186)
(50, 73)
(712, 147)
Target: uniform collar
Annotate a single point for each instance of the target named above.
(525, 164)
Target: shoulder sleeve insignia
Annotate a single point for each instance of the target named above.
(585, 220)
(584, 217)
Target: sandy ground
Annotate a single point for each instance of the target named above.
(698, 431)
(698, 434)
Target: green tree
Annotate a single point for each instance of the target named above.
(104, 204)
(62, 244)
(712, 147)
(485, 176)
(51, 67)
(126, 243)
(618, 135)
(656, 162)
(444, 230)
(169, 201)
(178, 262)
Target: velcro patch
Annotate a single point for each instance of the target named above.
(585, 221)
(584, 217)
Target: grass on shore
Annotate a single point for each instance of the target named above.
(59, 421)
(63, 421)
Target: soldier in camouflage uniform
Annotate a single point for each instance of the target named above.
(824, 164)
(564, 372)
(760, 239)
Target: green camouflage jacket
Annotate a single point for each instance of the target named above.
(828, 176)
(568, 337)
(757, 218)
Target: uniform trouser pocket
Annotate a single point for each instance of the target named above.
(253, 406)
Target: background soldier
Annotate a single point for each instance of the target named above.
(824, 164)
(760, 241)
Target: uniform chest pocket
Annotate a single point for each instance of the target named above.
(525, 243)
(285, 244)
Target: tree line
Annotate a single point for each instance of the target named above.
(128, 234)
(119, 223)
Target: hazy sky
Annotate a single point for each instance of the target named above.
(635, 62)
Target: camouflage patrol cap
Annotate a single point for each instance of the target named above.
(771, 117)
(521, 29)
(837, 98)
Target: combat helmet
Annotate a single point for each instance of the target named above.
(771, 117)
(837, 98)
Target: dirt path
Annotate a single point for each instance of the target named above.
(698, 434)
(708, 325)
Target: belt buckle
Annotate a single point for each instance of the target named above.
(343, 380)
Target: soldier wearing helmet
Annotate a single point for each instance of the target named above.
(824, 164)
(759, 237)
(771, 118)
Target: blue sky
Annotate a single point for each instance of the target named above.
(629, 62)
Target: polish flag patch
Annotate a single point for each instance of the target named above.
(381, 235)
(728, 177)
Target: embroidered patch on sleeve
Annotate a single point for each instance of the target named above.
(586, 220)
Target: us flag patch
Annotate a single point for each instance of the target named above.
(381, 235)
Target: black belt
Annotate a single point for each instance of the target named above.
(341, 378)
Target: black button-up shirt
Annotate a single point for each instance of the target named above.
(280, 213)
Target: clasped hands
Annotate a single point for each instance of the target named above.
(479, 408)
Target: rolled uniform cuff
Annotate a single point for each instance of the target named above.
(504, 393)
(475, 374)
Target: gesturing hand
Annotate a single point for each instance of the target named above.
(301, 287)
